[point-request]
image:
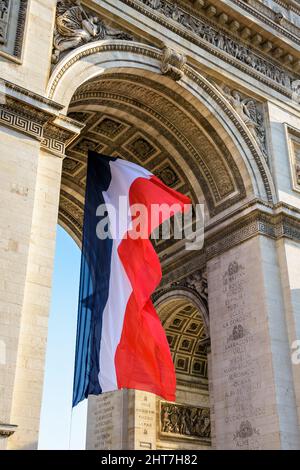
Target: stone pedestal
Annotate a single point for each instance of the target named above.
(254, 400)
(122, 420)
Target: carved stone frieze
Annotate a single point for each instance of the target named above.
(188, 421)
(172, 64)
(195, 282)
(5, 7)
(75, 25)
(12, 28)
(197, 30)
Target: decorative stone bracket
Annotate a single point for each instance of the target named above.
(172, 64)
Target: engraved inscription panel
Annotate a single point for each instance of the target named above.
(242, 372)
(244, 397)
(104, 429)
(145, 420)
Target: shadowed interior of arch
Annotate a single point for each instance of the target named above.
(188, 340)
(145, 121)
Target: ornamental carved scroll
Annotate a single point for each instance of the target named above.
(75, 26)
(182, 420)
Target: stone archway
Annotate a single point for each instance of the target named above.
(186, 132)
(91, 61)
(180, 127)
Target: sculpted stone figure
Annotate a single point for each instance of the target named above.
(252, 117)
(4, 15)
(220, 40)
(185, 421)
(3, 7)
(75, 27)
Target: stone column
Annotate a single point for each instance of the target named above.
(289, 256)
(32, 340)
(19, 156)
(32, 147)
(122, 420)
(254, 401)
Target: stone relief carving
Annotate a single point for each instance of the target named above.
(172, 64)
(248, 109)
(75, 26)
(196, 281)
(298, 173)
(5, 6)
(185, 421)
(221, 41)
(297, 161)
(13, 15)
(282, 11)
(246, 430)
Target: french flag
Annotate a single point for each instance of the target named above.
(120, 340)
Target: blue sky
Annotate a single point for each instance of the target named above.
(61, 428)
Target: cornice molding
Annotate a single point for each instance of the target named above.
(211, 38)
(279, 221)
(268, 16)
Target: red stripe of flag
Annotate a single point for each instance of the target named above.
(143, 359)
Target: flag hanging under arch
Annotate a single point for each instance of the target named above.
(120, 340)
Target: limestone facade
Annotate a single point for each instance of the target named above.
(205, 94)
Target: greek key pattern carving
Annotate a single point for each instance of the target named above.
(35, 124)
(21, 124)
(273, 227)
(53, 145)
